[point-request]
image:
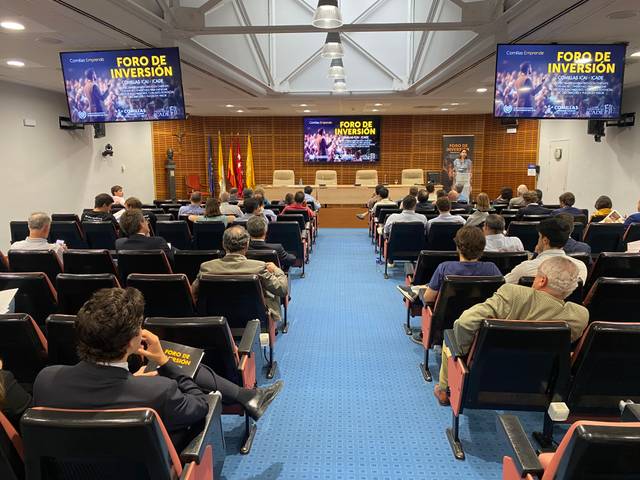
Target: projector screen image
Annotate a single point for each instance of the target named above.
(559, 81)
(341, 139)
(123, 85)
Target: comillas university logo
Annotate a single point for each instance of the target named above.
(82, 114)
(507, 108)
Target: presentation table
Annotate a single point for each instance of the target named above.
(351, 195)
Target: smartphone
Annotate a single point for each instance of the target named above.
(60, 242)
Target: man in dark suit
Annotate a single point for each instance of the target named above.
(109, 330)
(532, 206)
(135, 226)
(257, 228)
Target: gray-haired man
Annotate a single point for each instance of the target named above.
(39, 225)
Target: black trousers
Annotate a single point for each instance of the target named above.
(209, 381)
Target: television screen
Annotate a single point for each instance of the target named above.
(559, 81)
(342, 139)
(123, 85)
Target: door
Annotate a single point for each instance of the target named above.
(557, 168)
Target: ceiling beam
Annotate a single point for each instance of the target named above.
(423, 42)
(209, 5)
(347, 28)
(244, 15)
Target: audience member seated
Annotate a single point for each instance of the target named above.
(117, 193)
(478, 217)
(555, 279)
(539, 192)
(497, 241)
(441, 193)
(517, 202)
(288, 199)
(506, 194)
(384, 199)
(136, 228)
(299, 204)
(109, 330)
(413, 191)
(444, 208)
(233, 194)
(634, 217)
(408, 214)
(567, 200)
(194, 208)
(462, 197)
(14, 399)
(268, 214)
(235, 242)
(39, 224)
(552, 237)
(572, 245)
(101, 211)
(260, 191)
(603, 208)
(375, 198)
(227, 208)
(431, 190)
(257, 228)
(247, 193)
(470, 243)
(424, 203)
(212, 213)
(133, 202)
(252, 208)
(311, 201)
(453, 197)
(532, 207)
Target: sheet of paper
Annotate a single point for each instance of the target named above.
(6, 300)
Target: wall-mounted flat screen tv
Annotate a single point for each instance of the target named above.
(123, 85)
(342, 139)
(559, 81)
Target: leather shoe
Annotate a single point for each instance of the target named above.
(263, 397)
(441, 395)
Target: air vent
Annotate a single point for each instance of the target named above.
(425, 107)
(622, 14)
(258, 109)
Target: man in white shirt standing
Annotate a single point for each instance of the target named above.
(553, 233)
(444, 206)
(497, 241)
(408, 215)
(39, 225)
(117, 192)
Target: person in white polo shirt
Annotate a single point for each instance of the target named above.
(39, 225)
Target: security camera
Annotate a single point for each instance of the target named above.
(108, 150)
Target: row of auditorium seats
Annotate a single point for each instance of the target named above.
(367, 178)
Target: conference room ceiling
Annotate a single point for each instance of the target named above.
(263, 56)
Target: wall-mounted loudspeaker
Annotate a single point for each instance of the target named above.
(596, 128)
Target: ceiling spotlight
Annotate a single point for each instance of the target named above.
(332, 46)
(9, 25)
(377, 104)
(327, 15)
(15, 63)
(636, 54)
(336, 69)
(454, 104)
(303, 105)
(481, 90)
(239, 111)
(444, 109)
(375, 110)
(306, 110)
(228, 105)
(339, 85)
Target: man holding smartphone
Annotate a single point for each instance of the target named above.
(39, 225)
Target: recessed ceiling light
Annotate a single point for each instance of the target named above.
(49, 40)
(481, 90)
(622, 14)
(454, 104)
(444, 109)
(377, 104)
(229, 105)
(15, 63)
(375, 110)
(9, 25)
(304, 105)
(636, 54)
(306, 110)
(239, 111)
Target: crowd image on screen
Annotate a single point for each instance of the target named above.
(321, 145)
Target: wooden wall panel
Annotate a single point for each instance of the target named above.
(406, 142)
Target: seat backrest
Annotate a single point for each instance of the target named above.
(23, 346)
(527, 232)
(518, 365)
(367, 178)
(283, 178)
(189, 261)
(88, 261)
(576, 296)
(100, 235)
(264, 256)
(75, 289)
(406, 241)
(167, 295)
(288, 235)
(4, 262)
(427, 263)
(591, 450)
(457, 294)
(238, 298)
(142, 261)
(631, 234)
(505, 261)
(82, 444)
(45, 261)
(412, 176)
(36, 295)
(578, 231)
(604, 237)
(614, 264)
(62, 339)
(602, 369)
(441, 235)
(65, 217)
(614, 300)
(68, 231)
(293, 217)
(326, 177)
(19, 230)
(212, 334)
(584, 257)
(175, 232)
(208, 235)
(11, 465)
(163, 217)
(384, 213)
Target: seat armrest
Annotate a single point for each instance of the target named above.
(194, 452)
(248, 337)
(522, 452)
(631, 413)
(451, 342)
(409, 269)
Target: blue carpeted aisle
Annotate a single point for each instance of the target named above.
(355, 405)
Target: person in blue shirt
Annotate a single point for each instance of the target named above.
(572, 245)
(567, 200)
(633, 218)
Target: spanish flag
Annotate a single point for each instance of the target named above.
(221, 181)
(250, 181)
(231, 173)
